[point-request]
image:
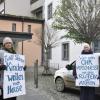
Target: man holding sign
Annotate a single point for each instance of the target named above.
(12, 79)
(86, 73)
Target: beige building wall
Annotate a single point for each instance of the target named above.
(7, 25)
(31, 50)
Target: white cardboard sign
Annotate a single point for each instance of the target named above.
(87, 69)
(14, 76)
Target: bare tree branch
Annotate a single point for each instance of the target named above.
(80, 18)
(50, 40)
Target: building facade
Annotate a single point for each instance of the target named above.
(15, 7)
(37, 8)
(67, 51)
(23, 31)
(44, 9)
(64, 52)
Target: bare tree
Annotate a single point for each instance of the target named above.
(81, 18)
(50, 39)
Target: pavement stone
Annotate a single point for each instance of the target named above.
(46, 88)
(33, 93)
(34, 96)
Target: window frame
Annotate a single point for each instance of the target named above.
(1, 1)
(49, 53)
(38, 13)
(13, 27)
(96, 46)
(49, 11)
(2, 11)
(29, 28)
(65, 56)
(33, 1)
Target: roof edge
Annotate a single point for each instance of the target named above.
(20, 18)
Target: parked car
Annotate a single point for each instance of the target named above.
(64, 78)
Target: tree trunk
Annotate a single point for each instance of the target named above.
(46, 65)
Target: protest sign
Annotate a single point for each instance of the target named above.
(14, 76)
(87, 69)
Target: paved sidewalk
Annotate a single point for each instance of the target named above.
(33, 93)
(46, 88)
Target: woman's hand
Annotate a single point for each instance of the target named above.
(24, 67)
(75, 77)
(3, 67)
(98, 77)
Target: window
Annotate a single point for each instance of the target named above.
(29, 28)
(50, 11)
(97, 46)
(1, 1)
(2, 11)
(32, 1)
(49, 53)
(65, 51)
(38, 13)
(14, 27)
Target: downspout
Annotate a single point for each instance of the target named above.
(42, 48)
(22, 31)
(4, 7)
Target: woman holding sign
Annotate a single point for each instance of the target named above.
(86, 92)
(7, 47)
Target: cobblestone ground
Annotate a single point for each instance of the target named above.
(46, 85)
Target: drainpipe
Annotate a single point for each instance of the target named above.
(22, 31)
(4, 7)
(42, 49)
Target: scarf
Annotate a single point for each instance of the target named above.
(11, 50)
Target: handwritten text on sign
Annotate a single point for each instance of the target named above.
(87, 69)
(14, 78)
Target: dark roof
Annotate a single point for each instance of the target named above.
(16, 36)
(20, 18)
